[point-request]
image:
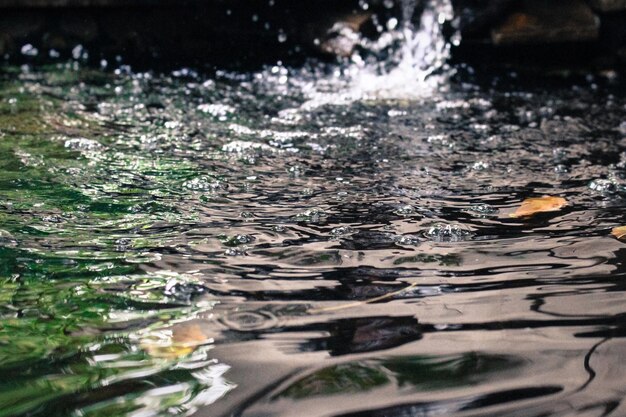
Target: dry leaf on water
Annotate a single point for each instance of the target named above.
(543, 204)
(185, 338)
(619, 233)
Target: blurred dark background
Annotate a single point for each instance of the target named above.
(248, 32)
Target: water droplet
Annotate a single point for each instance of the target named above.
(78, 52)
(29, 50)
(392, 23)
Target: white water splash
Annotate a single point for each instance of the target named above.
(423, 51)
(409, 71)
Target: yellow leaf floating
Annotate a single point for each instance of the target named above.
(182, 341)
(543, 204)
(619, 233)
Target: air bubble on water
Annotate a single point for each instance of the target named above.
(407, 240)
(172, 124)
(182, 291)
(123, 244)
(235, 251)
(480, 127)
(341, 231)
(241, 239)
(448, 232)
(205, 183)
(282, 37)
(341, 195)
(440, 140)
(82, 144)
(310, 216)
(405, 210)
(220, 111)
(622, 128)
(561, 169)
(240, 147)
(453, 104)
(396, 113)
(482, 210)
(52, 218)
(480, 166)
(607, 186)
(295, 171)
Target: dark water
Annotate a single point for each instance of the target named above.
(289, 243)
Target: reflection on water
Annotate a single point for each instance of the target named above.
(284, 243)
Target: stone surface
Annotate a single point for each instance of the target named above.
(477, 17)
(344, 35)
(540, 22)
(608, 5)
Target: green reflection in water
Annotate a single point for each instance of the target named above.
(83, 328)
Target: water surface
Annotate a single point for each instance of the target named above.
(315, 242)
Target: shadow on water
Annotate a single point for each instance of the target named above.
(309, 242)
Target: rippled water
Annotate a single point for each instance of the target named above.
(309, 242)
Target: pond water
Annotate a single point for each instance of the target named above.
(321, 241)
